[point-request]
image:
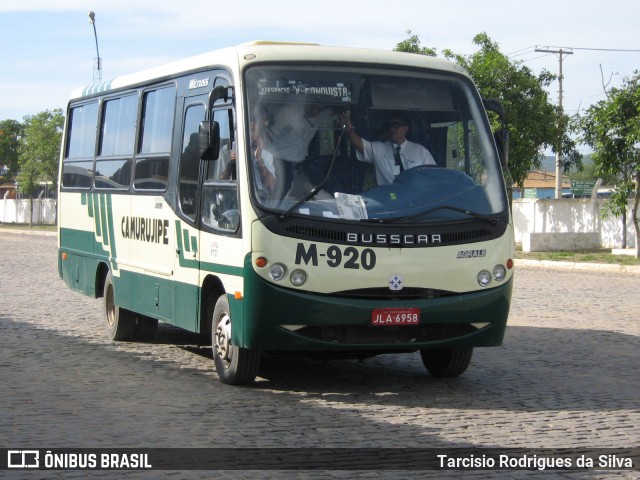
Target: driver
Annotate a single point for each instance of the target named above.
(390, 157)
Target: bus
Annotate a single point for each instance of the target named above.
(222, 194)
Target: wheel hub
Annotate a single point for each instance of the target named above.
(223, 338)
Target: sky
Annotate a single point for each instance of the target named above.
(49, 49)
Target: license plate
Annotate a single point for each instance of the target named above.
(386, 317)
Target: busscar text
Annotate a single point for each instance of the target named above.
(393, 239)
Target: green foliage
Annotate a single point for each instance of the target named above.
(39, 150)
(534, 123)
(412, 45)
(612, 128)
(617, 203)
(10, 134)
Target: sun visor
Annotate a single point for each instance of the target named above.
(410, 94)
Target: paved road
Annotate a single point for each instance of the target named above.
(567, 376)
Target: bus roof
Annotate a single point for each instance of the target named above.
(270, 51)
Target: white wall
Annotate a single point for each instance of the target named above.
(18, 211)
(545, 215)
(530, 215)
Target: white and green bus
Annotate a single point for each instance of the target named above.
(221, 194)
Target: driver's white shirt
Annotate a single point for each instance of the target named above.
(381, 154)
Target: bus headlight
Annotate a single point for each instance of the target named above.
(484, 278)
(499, 272)
(297, 278)
(277, 271)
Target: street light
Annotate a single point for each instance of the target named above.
(97, 72)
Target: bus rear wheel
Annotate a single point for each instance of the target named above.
(446, 362)
(235, 365)
(119, 322)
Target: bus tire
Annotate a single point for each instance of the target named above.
(146, 328)
(119, 322)
(235, 365)
(446, 362)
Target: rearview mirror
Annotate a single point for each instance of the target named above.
(495, 106)
(502, 142)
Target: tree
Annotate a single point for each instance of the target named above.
(413, 45)
(589, 173)
(533, 122)
(612, 128)
(39, 151)
(10, 134)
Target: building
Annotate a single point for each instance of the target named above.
(7, 189)
(541, 184)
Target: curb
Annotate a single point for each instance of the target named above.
(598, 267)
(45, 233)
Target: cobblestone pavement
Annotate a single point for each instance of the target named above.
(566, 376)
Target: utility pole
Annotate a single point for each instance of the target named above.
(559, 169)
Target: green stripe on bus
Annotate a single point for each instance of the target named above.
(224, 269)
(103, 219)
(114, 254)
(95, 214)
(185, 234)
(79, 240)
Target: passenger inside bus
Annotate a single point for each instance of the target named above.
(294, 126)
(286, 137)
(227, 167)
(262, 159)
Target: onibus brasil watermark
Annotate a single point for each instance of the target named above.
(321, 459)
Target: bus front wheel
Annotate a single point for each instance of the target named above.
(446, 362)
(235, 365)
(119, 322)
(146, 328)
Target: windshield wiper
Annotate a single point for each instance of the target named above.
(314, 191)
(480, 216)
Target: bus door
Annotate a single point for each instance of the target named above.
(186, 274)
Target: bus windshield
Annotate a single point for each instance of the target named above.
(370, 145)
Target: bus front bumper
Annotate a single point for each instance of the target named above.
(282, 319)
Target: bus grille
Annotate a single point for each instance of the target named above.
(385, 293)
(313, 233)
(367, 334)
(467, 236)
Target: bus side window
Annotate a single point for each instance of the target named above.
(225, 167)
(117, 138)
(189, 161)
(220, 206)
(152, 161)
(80, 146)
